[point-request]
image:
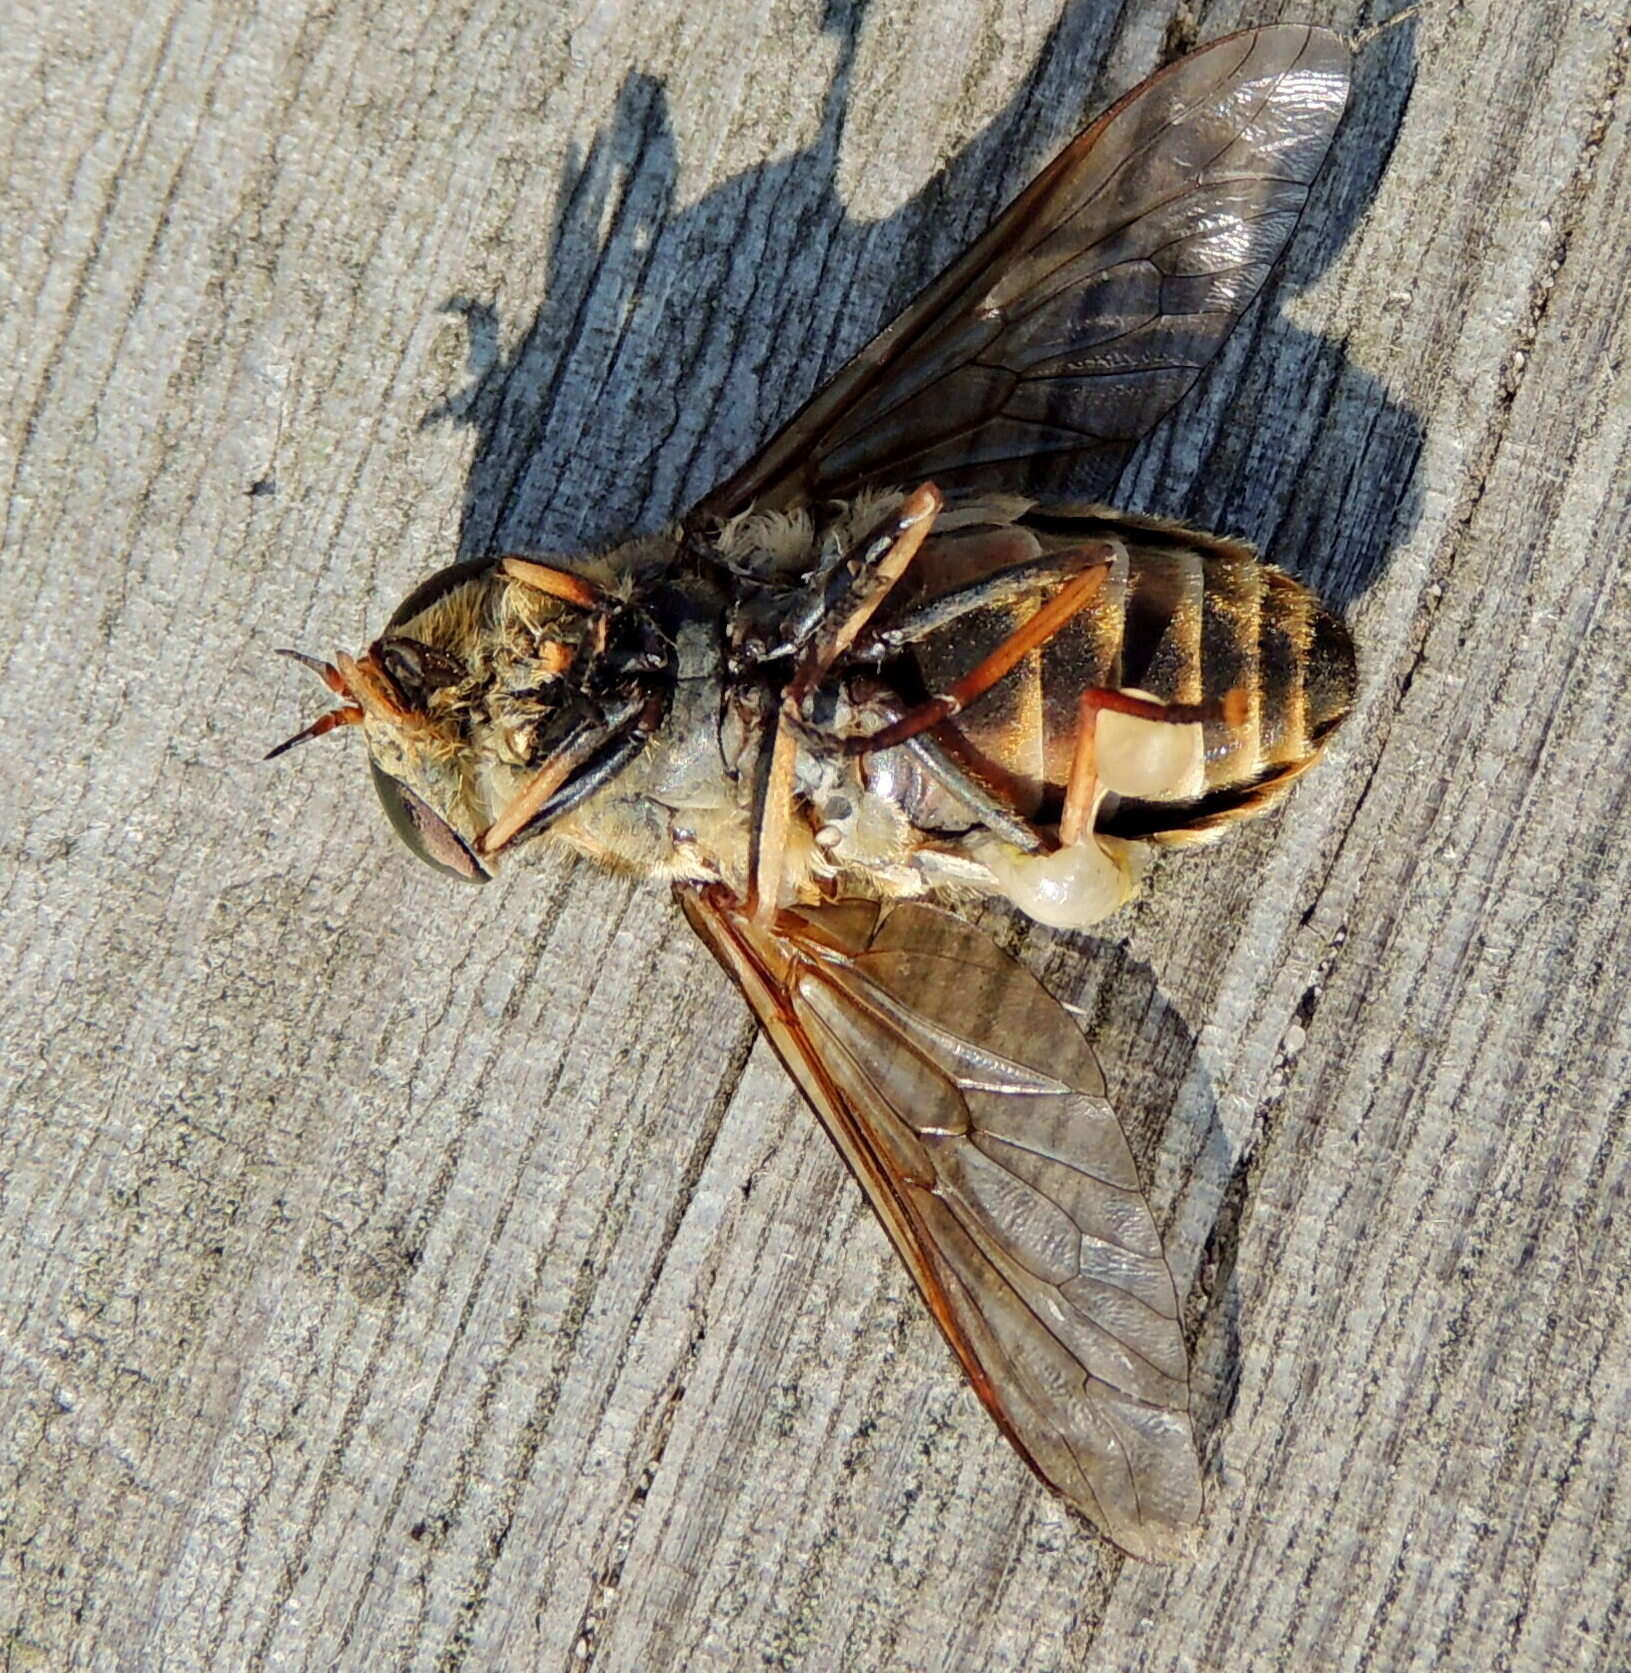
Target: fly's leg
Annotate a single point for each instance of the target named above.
(1081, 794)
(1071, 599)
(557, 583)
(576, 750)
(938, 755)
(849, 600)
(988, 804)
(1085, 568)
(617, 747)
(856, 589)
(1157, 752)
(1018, 584)
(1145, 770)
(775, 811)
(588, 759)
(1080, 879)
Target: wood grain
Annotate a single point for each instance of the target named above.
(399, 1277)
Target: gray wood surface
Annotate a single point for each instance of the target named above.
(399, 1277)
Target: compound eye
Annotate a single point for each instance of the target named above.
(435, 588)
(425, 832)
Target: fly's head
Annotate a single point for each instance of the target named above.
(501, 695)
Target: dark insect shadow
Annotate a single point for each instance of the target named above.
(697, 331)
(664, 352)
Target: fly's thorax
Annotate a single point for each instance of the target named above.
(683, 809)
(687, 810)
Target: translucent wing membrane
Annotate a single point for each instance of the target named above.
(970, 1107)
(1093, 304)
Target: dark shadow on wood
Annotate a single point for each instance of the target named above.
(716, 321)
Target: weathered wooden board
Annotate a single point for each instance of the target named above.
(398, 1277)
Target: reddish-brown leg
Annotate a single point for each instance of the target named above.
(525, 806)
(1069, 601)
(558, 583)
(832, 638)
(1077, 813)
(775, 818)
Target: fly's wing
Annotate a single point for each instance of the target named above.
(968, 1104)
(1092, 305)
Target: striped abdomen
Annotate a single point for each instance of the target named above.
(1184, 616)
